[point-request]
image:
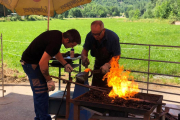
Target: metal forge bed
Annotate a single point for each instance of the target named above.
(149, 101)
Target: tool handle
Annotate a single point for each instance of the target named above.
(79, 84)
(95, 71)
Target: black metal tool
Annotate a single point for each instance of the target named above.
(83, 76)
(95, 71)
(94, 88)
(86, 63)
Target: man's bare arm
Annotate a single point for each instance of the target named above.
(60, 58)
(43, 64)
(84, 52)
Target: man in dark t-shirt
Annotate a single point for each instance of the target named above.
(35, 61)
(103, 45)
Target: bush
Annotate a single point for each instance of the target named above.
(131, 13)
(148, 14)
(13, 19)
(178, 16)
(37, 17)
(172, 16)
(137, 14)
(60, 17)
(31, 18)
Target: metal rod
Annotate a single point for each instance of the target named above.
(150, 45)
(147, 101)
(79, 84)
(80, 65)
(59, 80)
(171, 101)
(161, 91)
(173, 108)
(150, 60)
(157, 84)
(152, 73)
(148, 68)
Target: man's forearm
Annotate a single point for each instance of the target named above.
(60, 58)
(84, 53)
(45, 71)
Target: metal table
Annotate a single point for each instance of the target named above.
(56, 63)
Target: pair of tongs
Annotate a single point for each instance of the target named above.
(94, 72)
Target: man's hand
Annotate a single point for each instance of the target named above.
(50, 85)
(68, 68)
(85, 61)
(105, 68)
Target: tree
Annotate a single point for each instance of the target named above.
(115, 11)
(75, 12)
(137, 14)
(131, 13)
(148, 14)
(163, 10)
(65, 14)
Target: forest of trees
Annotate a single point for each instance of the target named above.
(132, 9)
(165, 9)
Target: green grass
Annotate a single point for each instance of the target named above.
(18, 35)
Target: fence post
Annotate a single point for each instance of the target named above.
(148, 67)
(2, 75)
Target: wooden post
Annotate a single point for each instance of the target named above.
(146, 116)
(48, 14)
(68, 98)
(76, 112)
(159, 109)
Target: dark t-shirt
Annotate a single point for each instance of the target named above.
(49, 41)
(110, 41)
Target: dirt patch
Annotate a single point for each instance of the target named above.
(14, 76)
(177, 23)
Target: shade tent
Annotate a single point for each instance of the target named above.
(41, 7)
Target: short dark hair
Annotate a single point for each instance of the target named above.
(73, 36)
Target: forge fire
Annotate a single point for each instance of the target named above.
(117, 78)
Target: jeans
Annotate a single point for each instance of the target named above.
(40, 91)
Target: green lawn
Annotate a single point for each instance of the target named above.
(18, 35)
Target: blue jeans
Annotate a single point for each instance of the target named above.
(40, 91)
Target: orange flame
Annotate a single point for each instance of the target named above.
(87, 70)
(118, 80)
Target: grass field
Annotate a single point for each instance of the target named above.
(18, 35)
